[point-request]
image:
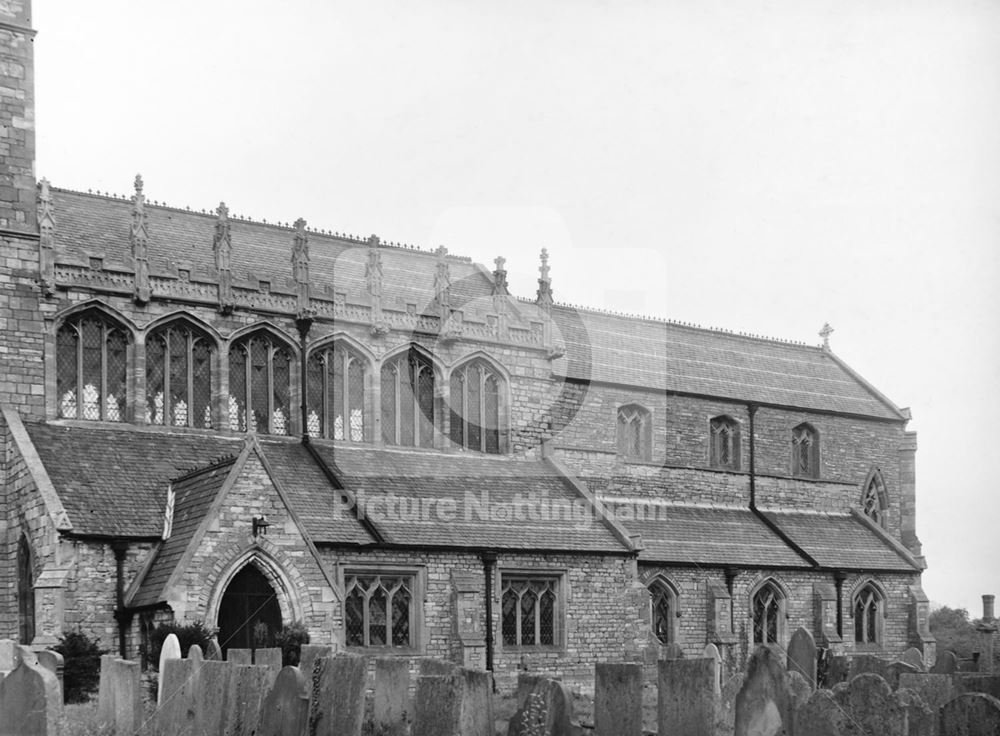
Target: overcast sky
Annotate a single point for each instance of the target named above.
(759, 166)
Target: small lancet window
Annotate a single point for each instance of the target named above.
(92, 357)
(408, 400)
(873, 501)
(766, 608)
(475, 407)
(664, 611)
(336, 376)
(179, 377)
(805, 452)
(867, 605)
(635, 433)
(25, 593)
(725, 443)
(260, 380)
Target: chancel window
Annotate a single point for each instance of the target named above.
(725, 443)
(766, 608)
(179, 377)
(873, 501)
(664, 611)
(528, 611)
(92, 356)
(867, 607)
(475, 407)
(805, 452)
(25, 594)
(379, 610)
(336, 384)
(408, 400)
(634, 433)
(260, 374)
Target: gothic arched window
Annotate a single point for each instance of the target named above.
(476, 390)
(528, 615)
(766, 608)
(725, 443)
(336, 379)
(92, 356)
(378, 610)
(179, 376)
(663, 601)
(408, 400)
(25, 593)
(260, 380)
(805, 452)
(634, 433)
(867, 621)
(873, 499)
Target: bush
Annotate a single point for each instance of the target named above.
(81, 666)
(290, 639)
(187, 635)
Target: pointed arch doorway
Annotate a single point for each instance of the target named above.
(249, 613)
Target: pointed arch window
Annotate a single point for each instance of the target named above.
(805, 451)
(873, 499)
(868, 607)
(25, 593)
(767, 609)
(635, 433)
(529, 611)
(260, 385)
(663, 601)
(724, 434)
(475, 398)
(179, 376)
(408, 400)
(379, 610)
(336, 376)
(92, 357)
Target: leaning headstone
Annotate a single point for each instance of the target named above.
(309, 653)
(239, 656)
(617, 699)
(126, 686)
(689, 694)
(876, 709)
(391, 702)
(821, 715)
(935, 690)
(105, 692)
(432, 666)
(437, 706)
(673, 651)
(915, 658)
(547, 710)
(946, 663)
(895, 669)
(802, 655)
(53, 662)
(763, 705)
(30, 702)
(248, 688)
(195, 654)
(268, 657)
(972, 714)
(285, 711)
(526, 682)
(338, 695)
(171, 649)
(838, 670)
(476, 716)
(213, 652)
(210, 700)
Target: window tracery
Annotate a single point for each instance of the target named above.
(336, 376)
(408, 400)
(476, 390)
(92, 357)
(260, 371)
(179, 377)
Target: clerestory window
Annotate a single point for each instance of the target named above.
(724, 435)
(529, 610)
(635, 433)
(805, 452)
(379, 610)
(179, 377)
(336, 376)
(873, 499)
(476, 390)
(92, 358)
(408, 400)
(260, 375)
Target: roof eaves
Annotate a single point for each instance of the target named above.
(891, 541)
(36, 468)
(866, 385)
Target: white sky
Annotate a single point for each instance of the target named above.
(762, 166)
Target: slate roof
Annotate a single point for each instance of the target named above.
(477, 485)
(193, 498)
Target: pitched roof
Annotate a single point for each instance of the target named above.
(113, 480)
(482, 491)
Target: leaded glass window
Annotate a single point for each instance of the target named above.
(634, 433)
(766, 608)
(867, 604)
(725, 443)
(260, 374)
(475, 407)
(408, 401)
(336, 384)
(179, 377)
(378, 610)
(528, 614)
(873, 500)
(805, 452)
(92, 356)
(25, 593)
(663, 601)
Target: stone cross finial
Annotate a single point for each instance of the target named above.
(544, 297)
(442, 283)
(373, 241)
(46, 242)
(222, 245)
(138, 184)
(825, 334)
(543, 269)
(139, 238)
(500, 277)
(500, 262)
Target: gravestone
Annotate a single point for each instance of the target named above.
(799, 692)
(25, 654)
(688, 699)
(476, 717)
(126, 688)
(338, 695)
(175, 712)
(895, 669)
(213, 652)
(195, 654)
(946, 663)
(673, 651)
(53, 662)
(309, 653)
(268, 657)
(821, 715)
(285, 711)
(391, 704)
(972, 714)
(432, 666)
(712, 652)
(547, 711)
(8, 655)
(437, 706)
(876, 709)
(30, 702)
(989, 684)
(105, 692)
(838, 671)
(248, 688)
(210, 700)
(935, 690)
(763, 704)
(802, 655)
(525, 684)
(171, 649)
(618, 699)
(239, 656)
(915, 658)
(866, 663)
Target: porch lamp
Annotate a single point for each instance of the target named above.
(260, 525)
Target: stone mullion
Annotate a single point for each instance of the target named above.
(373, 404)
(189, 360)
(102, 399)
(344, 402)
(221, 385)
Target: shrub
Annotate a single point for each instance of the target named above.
(290, 639)
(81, 666)
(187, 635)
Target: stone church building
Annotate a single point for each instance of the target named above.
(249, 424)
